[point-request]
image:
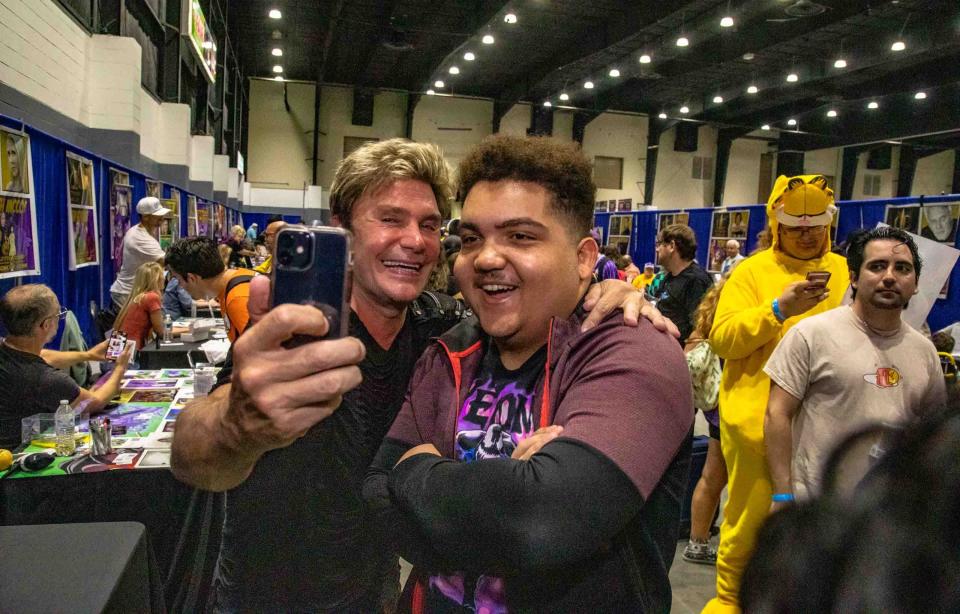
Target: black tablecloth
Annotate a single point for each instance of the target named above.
(183, 525)
(169, 356)
(96, 567)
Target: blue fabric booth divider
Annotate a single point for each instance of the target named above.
(75, 289)
(854, 214)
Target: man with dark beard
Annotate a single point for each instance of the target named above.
(841, 370)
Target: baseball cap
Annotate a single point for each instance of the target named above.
(150, 205)
(649, 265)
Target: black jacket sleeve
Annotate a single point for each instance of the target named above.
(508, 517)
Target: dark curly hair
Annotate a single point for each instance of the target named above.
(561, 168)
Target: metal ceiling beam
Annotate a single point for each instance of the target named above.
(725, 139)
(333, 17)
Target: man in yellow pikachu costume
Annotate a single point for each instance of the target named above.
(765, 295)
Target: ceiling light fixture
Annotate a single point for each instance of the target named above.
(683, 41)
(438, 84)
(726, 22)
(453, 70)
(547, 103)
(718, 99)
(765, 127)
(645, 59)
(662, 115)
(920, 95)
(684, 109)
(792, 78)
(278, 68)
(748, 56)
(831, 113)
(468, 56)
(791, 122)
(275, 14)
(588, 85)
(510, 18)
(277, 52)
(840, 63)
(614, 73)
(430, 92)
(898, 46)
(487, 39)
(564, 96)
(752, 89)
(873, 104)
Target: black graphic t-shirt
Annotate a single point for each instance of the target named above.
(496, 415)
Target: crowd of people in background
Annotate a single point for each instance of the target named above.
(531, 352)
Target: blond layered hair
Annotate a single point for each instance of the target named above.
(377, 164)
(149, 278)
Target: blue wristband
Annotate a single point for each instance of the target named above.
(776, 311)
(782, 497)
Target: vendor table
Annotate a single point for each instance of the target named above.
(175, 355)
(96, 567)
(132, 484)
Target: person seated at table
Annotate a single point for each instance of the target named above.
(239, 252)
(29, 384)
(177, 302)
(195, 263)
(141, 315)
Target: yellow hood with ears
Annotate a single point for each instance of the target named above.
(804, 200)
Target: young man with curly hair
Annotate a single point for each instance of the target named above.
(517, 480)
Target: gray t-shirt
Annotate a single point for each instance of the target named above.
(848, 376)
(28, 385)
(139, 247)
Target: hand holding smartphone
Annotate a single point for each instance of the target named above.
(118, 341)
(818, 280)
(312, 267)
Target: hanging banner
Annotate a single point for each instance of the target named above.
(81, 208)
(121, 195)
(19, 251)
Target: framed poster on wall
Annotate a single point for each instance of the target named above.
(192, 227)
(619, 231)
(726, 225)
(121, 200)
(84, 248)
(904, 217)
(19, 245)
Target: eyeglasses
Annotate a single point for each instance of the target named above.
(60, 315)
(796, 231)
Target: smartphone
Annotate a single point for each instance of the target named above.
(311, 266)
(118, 341)
(818, 279)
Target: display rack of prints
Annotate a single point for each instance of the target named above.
(84, 247)
(724, 226)
(19, 248)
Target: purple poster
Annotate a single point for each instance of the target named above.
(19, 251)
(203, 218)
(120, 197)
(83, 230)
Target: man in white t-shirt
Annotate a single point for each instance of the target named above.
(849, 367)
(140, 245)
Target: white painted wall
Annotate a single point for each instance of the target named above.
(201, 158)
(221, 173)
(934, 174)
(455, 124)
(517, 120)
(743, 172)
(620, 136)
(94, 80)
(280, 142)
(563, 126)
(675, 188)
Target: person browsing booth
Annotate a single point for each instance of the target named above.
(685, 282)
(765, 296)
(140, 245)
(195, 263)
(519, 482)
(848, 368)
(290, 433)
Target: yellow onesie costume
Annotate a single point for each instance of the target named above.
(745, 332)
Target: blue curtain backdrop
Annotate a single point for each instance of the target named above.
(75, 289)
(853, 215)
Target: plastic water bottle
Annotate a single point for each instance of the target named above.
(64, 423)
(167, 329)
